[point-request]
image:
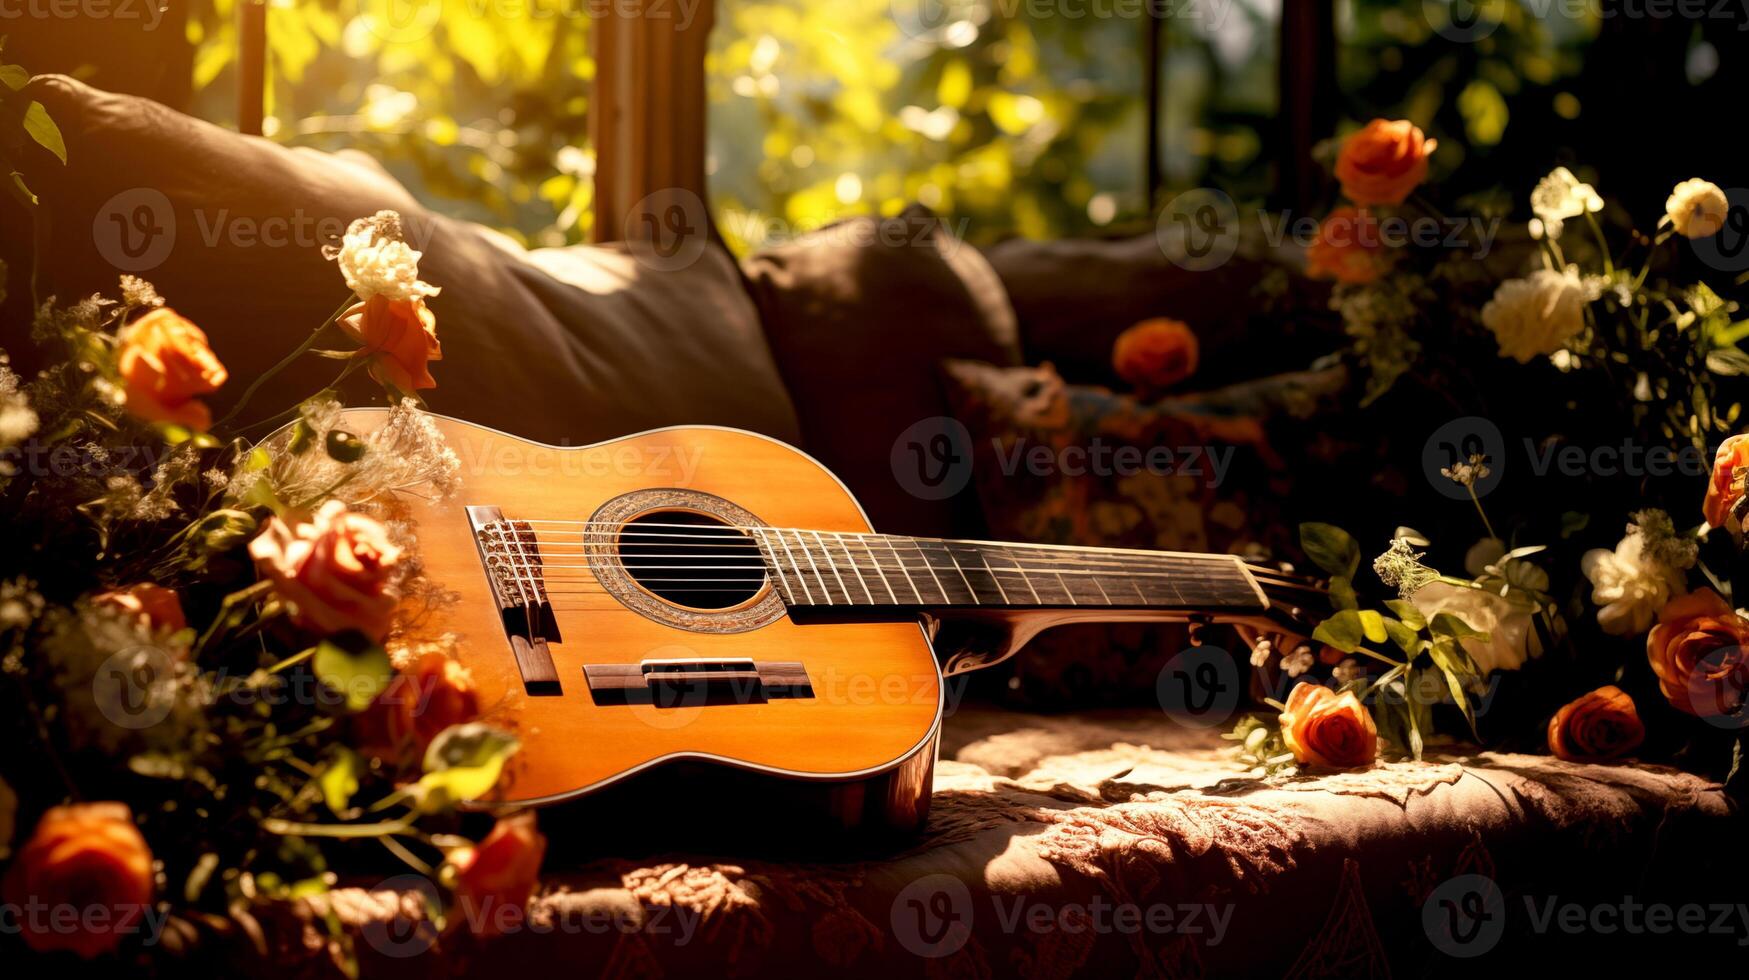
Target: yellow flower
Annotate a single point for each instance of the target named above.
(1697, 208)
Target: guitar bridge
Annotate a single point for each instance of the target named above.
(513, 569)
(688, 682)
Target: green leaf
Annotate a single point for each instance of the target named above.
(1342, 595)
(1407, 612)
(354, 667)
(464, 762)
(43, 129)
(339, 779)
(18, 181)
(1406, 639)
(1330, 548)
(1447, 624)
(1457, 668)
(14, 77)
(1373, 625)
(1728, 362)
(1344, 631)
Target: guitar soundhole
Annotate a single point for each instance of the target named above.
(691, 560)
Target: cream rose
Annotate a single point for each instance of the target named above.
(335, 570)
(376, 260)
(1511, 630)
(1532, 317)
(1696, 208)
(1629, 584)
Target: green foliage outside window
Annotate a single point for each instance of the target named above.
(1008, 117)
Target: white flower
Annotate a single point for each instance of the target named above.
(1348, 670)
(377, 261)
(1511, 633)
(1696, 208)
(1298, 662)
(1629, 584)
(17, 419)
(1260, 653)
(1560, 196)
(1534, 316)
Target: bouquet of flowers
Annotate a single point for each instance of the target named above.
(1602, 342)
(202, 636)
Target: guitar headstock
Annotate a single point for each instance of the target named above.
(1297, 604)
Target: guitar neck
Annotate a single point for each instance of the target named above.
(882, 571)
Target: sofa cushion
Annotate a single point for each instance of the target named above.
(1112, 844)
(567, 345)
(858, 315)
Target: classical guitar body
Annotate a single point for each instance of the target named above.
(704, 604)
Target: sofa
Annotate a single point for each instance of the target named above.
(1047, 828)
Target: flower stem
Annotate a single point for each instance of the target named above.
(1602, 244)
(1471, 487)
(286, 361)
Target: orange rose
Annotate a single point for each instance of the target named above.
(495, 878)
(420, 702)
(153, 605)
(1726, 487)
(1697, 652)
(1383, 162)
(1347, 249)
(335, 570)
(165, 363)
(1329, 730)
(1598, 726)
(86, 865)
(1155, 354)
(399, 338)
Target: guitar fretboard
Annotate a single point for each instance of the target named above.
(823, 568)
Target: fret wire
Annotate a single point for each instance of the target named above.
(999, 589)
(827, 554)
(957, 568)
(814, 565)
(878, 570)
(853, 566)
(798, 568)
(900, 561)
(917, 545)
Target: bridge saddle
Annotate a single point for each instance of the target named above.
(513, 568)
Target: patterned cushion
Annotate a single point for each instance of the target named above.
(1074, 465)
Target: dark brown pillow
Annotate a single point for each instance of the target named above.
(859, 314)
(569, 345)
(1073, 297)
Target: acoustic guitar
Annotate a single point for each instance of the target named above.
(707, 601)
